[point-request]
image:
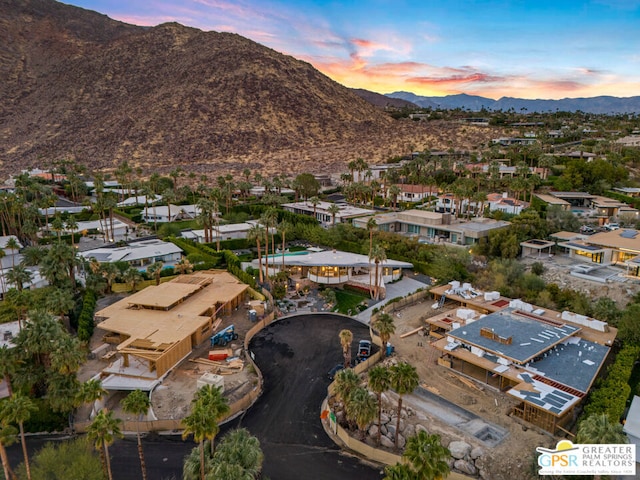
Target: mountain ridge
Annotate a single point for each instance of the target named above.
(603, 104)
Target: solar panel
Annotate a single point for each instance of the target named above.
(629, 233)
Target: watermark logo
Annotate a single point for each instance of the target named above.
(587, 459)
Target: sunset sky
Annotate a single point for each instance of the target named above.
(518, 48)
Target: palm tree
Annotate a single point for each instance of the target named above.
(155, 271)
(109, 272)
(201, 425)
(33, 255)
(346, 337)
(345, 381)
(137, 403)
(333, 210)
(217, 406)
(598, 428)
(378, 255)
(8, 363)
(7, 438)
(13, 245)
(18, 276)
(314, 201)
(59, 302)
(103, 431)
(379, 380)
(184, 266)
(404, 379)
(268, 220)
(394, 191)
(283, 228)
(399, 471)
(17, 409)
(361, 407)
(90, 392)
(240, 448)
(72, 225)
(255, 234)
(427, 456)
(385, 326)
(133, 277)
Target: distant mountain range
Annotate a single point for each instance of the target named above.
(598, 105)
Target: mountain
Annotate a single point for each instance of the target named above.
(382, 101)
(597, 105)
(77, 84)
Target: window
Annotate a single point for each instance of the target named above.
(413, 228)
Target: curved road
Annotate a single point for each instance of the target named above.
(294, 356)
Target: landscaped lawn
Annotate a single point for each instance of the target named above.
(349, 300)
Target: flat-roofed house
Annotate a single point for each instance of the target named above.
(345, 214)
(138, 254)
(547, 361)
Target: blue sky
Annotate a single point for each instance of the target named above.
(528, 49)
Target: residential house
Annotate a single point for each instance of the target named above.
(333, 267)
(415, 193)
(345, 214)
(504, 203)
(434, 227)
(170, 213)
(139, 254)
(629, 141)
(231, 231)
(546, 361)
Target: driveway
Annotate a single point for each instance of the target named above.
(294, 356)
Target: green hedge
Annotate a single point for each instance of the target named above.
(85, 320)
(611, 395)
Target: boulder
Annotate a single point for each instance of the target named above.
(373, 431)
(401, 441)
(421, 428)
(459, 449)
(465, 467)
(386, 442)
(408, 431)
(476, 452)
(384, 418)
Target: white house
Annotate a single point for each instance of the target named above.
(170, 213)
(140, 200)
(505, 203)
(137, 254)
(346, 213)
(231, 231)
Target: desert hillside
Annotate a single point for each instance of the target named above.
(79, 85)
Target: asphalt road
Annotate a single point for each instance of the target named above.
(294, 356)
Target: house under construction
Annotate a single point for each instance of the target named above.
(159, 326)
(544, 359)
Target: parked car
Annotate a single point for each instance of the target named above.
(611, 226)
(587, 230)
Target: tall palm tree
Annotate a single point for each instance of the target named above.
(14, 246)
(315, 201)
(346, 337)
(385, 326)
(268, 220)
(361, 407)
(427, 456)
(137, 403)
(333, 210)
(18, 409)
(216, 404)
(283, 228)
(103, 431)
(109, 272)
(379, 381)
(202, 426)
(404, 379)
(7, 438)
(378, 255)
(255, 234)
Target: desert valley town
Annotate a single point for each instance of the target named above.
(220, 261)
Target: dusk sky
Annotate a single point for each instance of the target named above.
(527, 48)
